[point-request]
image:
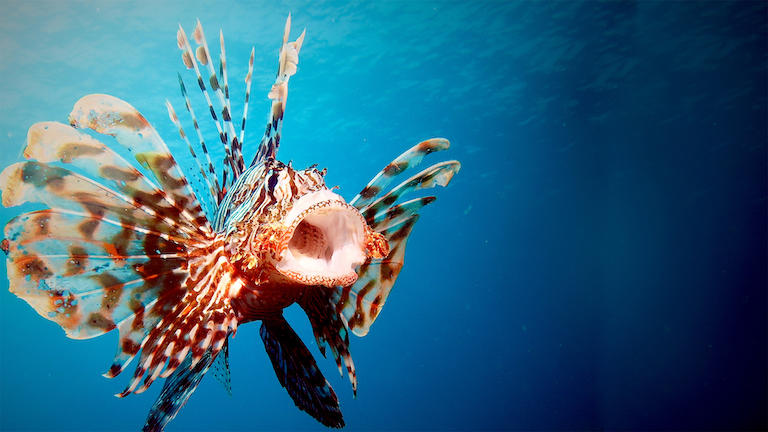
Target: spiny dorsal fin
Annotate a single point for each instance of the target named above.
(203, 55)
(288, 60)
(237, 151)
(248, 80)
(175, 119)
(219, 193)
(191, 62)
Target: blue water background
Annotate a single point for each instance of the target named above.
(599, 261)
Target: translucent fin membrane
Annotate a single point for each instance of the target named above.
(329, 329)
(117, 249)
(218, 193)
(288, 61)
(191, 62)
(361, 303)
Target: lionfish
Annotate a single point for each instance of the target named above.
(126, 244)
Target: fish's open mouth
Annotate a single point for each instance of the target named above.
(327, 241)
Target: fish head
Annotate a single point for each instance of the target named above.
(308, 234)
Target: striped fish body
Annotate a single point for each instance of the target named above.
(123, 242)
(286, 232)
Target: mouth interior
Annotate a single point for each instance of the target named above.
(326, 246)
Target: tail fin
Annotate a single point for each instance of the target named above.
(298, 373)
(361, 303)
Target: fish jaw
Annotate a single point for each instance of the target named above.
(324, 241)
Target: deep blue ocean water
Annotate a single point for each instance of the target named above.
(598, 263)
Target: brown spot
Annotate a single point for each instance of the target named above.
(64, 305)
(122, 240)
(364, 266)
(129, 346)
(344, 300)
(138, 311)
(133, 120)
(5, 246)
(70, 151)
(92, 206)
(427, 146)
(114, 370)
(390, 199)
(389, 271)
(88, 227)
(403, 232)
(181, 200)
(394, 169)
(201, 220)
(78, 259)
(278, 114)
(154, 244)
(370, 213)
(173, 363)
(42, 175)
(355, 319)
(200, 54)
(95, 208)
(41, 222)
(152, 200)
(369, 192)
(33, 267)
(161, 162)
(113, 290)
(367, 287)
(374, 310)
(395, 212)
(97, 320)
(115, 173)
(187, 59)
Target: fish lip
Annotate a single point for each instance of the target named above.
(342, 230)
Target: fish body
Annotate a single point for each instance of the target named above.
(126, 244)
